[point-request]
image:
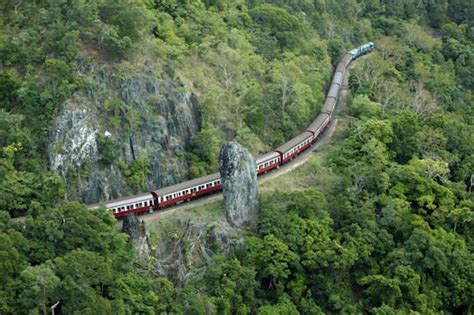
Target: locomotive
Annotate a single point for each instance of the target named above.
(195, 188)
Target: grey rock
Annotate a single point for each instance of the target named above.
(157, 119)
(188, 255)
(239, 180)
(138, 236)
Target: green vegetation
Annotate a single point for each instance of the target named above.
(391, 232)
(135, 173)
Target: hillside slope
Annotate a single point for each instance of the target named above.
(109, 97)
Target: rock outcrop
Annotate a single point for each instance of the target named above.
(140, 111)
(189, 251)
(138, 236)
(239, 180)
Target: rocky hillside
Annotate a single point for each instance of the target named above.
(127, 131)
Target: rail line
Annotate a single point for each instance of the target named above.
(307, 140)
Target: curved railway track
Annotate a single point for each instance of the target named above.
(287, 156)
(283, 170)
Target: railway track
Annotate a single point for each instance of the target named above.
(282, 170)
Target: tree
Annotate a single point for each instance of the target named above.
(283, 307)
(85, 277)
(10, 259)
(38, 284)
(381, 290)
(365, 108)
(273, 260)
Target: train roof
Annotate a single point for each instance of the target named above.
(123, 200)
(337, 78)
(267, 156)
(187, 184)
(346, 58)
(334, 90)
(318, 122)
(329, 104)
(293, 142)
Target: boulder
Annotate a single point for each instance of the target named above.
(239, 180)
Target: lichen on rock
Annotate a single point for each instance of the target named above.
(239, 180)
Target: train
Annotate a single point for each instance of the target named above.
(198, 187)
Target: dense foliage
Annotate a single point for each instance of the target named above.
(394, 235)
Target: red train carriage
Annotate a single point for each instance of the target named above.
(318, 125)
(268, 162)
(139, 203)
(188, 190)
(295, 146)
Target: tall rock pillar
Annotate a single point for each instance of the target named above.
(239, 181)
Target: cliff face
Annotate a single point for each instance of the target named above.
(124, 114)
(239, 180)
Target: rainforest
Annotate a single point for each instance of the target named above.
(101, 99)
